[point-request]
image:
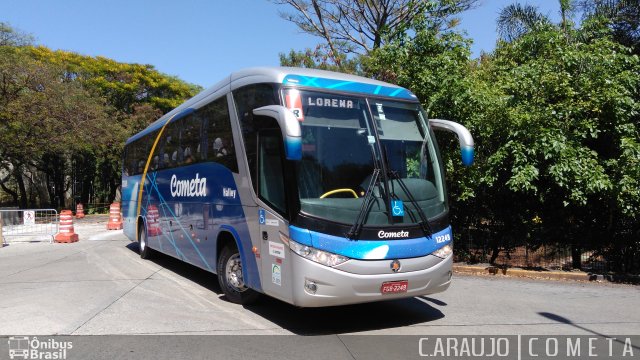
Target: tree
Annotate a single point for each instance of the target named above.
(432, 64)
(136, 94)
(436, 66)
(569, 153)
(622, 16)
(318, 59)
(12, 37)
(41, 116)
(516, 20)
(65, 118)
(123, 85)
(556, 130)
(358, 27)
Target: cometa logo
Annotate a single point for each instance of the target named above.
(390, 234)
(189, 188)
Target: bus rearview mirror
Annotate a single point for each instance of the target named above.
(290, 127)
(464, 137)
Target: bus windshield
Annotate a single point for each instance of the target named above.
(344, 138)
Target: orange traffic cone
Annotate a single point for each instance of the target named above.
(153, 221)
(66, 233)
(115, 219)
(79, 211)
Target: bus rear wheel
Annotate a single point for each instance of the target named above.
(145, 251)
(231, 279)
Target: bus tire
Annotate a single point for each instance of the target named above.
(143, 245)
(230, 277)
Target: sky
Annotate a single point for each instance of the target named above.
(199, 41)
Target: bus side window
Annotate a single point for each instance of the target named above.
(270, 169)
(173, 136)
(140, 152)
(247, 99)
(190, 139)
(219, 141)
(125, 162)
(177, 156)
(158, 161)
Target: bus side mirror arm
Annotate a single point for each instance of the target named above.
(464, 137)
(290, 127)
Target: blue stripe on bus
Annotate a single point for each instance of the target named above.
(165, 207)
(467, 155)
(175, 236)
(371, 249)
(293, 148)
(323, 83)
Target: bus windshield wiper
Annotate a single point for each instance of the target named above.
(424, 222)
(391, 174)
(367, 202)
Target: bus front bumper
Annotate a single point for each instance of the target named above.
(337, 287)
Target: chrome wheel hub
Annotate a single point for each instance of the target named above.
(143, 241)
(233, 272)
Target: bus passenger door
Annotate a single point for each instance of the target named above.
(275, 255)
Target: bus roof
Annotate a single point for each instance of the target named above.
(290, 76)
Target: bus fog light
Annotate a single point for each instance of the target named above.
(443, 252)
(310, 287)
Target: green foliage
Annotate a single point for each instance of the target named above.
(12, 37)
(567, 147)
(351, 29)
(571, 107)
(60, 110)
(621, 16)
(318, 59)
(554, 114)
(436, 67)
(516, 20)
(40, 113)
(123, 85)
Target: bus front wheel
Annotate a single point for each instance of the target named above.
(231, 279)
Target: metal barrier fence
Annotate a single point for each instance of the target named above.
(546, 256)
(94, 208)
(33, 223)
(487, 246)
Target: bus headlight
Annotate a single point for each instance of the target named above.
(319, 256)
(443, 252)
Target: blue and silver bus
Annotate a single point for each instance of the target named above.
(313, 187)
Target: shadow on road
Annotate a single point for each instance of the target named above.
(346, 319)
(318, 321)
(564, 320)
(179, 267)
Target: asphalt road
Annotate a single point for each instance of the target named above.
(101, 286)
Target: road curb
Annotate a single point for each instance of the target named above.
(552, 275)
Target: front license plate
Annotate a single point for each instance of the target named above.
(394, 287)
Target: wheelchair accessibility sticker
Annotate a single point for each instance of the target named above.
(397, 207)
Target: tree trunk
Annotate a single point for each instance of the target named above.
(21, 188)
(12, 193)
(576, 256)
